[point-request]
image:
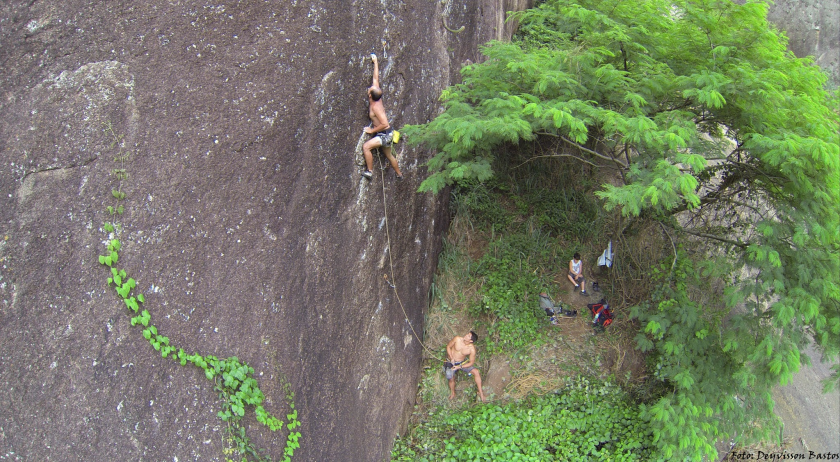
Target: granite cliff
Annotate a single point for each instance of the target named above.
(247, 225)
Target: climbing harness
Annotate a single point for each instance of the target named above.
(391, 263)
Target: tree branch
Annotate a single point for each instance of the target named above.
(594, 153)
(672, 245)
(584, 149)
(559, 155)
(742, 245)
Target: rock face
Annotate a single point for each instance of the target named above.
(247, 225)
(813, 29)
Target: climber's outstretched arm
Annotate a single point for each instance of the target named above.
(375, 83)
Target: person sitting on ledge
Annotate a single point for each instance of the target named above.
(576, 274)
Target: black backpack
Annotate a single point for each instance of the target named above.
(601, 313)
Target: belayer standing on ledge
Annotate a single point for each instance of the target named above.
(461, 353)
(383, 134)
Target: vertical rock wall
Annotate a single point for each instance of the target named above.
(247, 225)
(813, 29)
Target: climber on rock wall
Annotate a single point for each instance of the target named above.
(382, 132)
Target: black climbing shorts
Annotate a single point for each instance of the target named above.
(386, 137)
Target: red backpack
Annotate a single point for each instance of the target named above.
(601, 313)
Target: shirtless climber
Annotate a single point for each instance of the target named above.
(382, 132)
(458, 350)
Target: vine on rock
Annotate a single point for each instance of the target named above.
(232, 378)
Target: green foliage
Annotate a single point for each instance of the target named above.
(481, 202)
(522, 215)
(703, 113)
(712, 389)
(118, 210)
(503, 203)
(566, 211)
(510, 282)
(586, 421)
(234, 380)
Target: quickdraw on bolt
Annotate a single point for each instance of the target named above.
(389, 282)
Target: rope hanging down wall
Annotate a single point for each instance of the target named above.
(391, 262)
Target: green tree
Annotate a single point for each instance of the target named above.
(715, 130)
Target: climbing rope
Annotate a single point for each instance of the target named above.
(391, 261)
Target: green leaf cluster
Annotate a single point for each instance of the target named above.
(234, 380)
(710, 391)
(509, 280)
(588, 420)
